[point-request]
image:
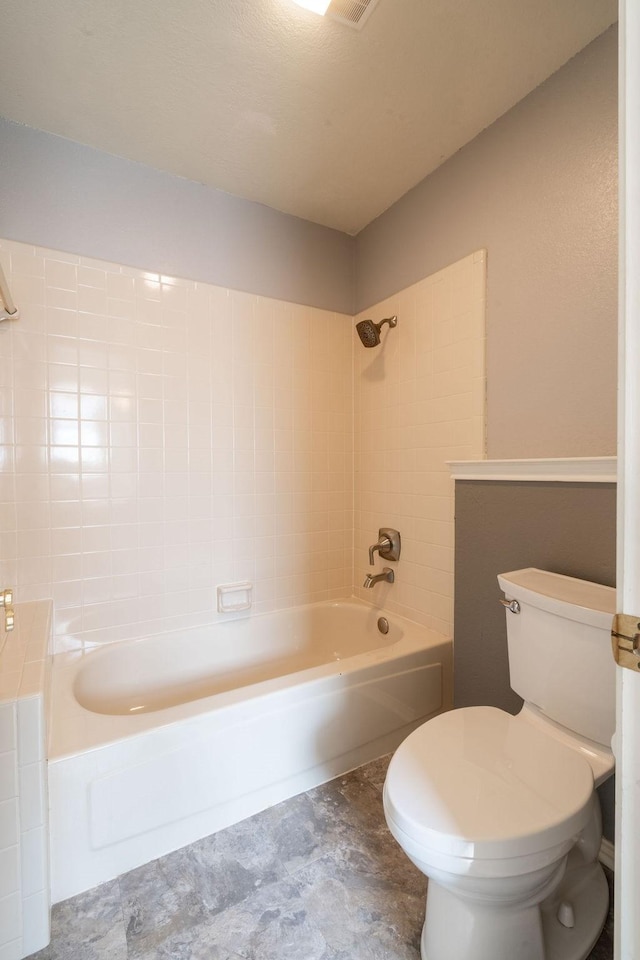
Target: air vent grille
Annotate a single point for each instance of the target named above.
(354, 13)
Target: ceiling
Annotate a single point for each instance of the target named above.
(270, 102)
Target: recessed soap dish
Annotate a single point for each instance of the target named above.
(234, 597)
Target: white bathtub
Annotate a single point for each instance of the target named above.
(157, 742)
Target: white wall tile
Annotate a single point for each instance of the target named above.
(9, 823)
(10, 918)
(166, 433)
(164, 402)
(31, 730)
(419, 400)
(32, 800)
(9, 872)
(8, 727)
(8, 775)
(36, 923)
(34, 862)
(12, 950)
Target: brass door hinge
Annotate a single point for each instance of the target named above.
(625, 640)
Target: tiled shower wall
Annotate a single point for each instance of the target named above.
(419, 402)
(160, 437)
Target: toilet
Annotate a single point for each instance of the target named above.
(499, 811)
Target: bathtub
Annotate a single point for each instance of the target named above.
(155, 743)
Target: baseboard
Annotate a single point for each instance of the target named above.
(607, 854)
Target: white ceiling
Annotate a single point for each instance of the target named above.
(272, 103)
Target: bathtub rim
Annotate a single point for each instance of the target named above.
(74, 730)
(286, 639)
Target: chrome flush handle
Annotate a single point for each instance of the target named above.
(512, 605)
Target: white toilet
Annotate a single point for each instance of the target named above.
(500, 812)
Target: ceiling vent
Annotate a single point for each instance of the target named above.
(353, 13)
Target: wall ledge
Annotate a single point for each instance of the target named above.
(556, 470)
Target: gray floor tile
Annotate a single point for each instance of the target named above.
(164, 900)
(318, 877)
(156, 903)
(300, 831)
(352, 807)
(196, 942)
(273, 924)
(88, 927)
(374, 772)
(360, 911)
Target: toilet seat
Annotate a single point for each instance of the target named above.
(478, 784)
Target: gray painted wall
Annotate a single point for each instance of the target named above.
(60, 194)
(538, 189)
(565, 527)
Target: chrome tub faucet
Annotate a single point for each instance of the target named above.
(387, 574)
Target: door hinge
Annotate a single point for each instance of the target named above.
(625, 640)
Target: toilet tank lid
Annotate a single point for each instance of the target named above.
(581, 600)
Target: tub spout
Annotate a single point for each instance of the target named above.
(387, 574)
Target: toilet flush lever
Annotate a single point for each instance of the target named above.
(511, 605)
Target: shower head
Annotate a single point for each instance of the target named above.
(369, 332)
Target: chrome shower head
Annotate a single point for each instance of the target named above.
(369, 332)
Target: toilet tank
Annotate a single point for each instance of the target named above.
(559, 645)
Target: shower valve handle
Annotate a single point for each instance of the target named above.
(382, 545)
(388, 545)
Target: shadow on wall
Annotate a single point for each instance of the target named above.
(376, 369)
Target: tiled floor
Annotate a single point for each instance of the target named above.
(316, 878)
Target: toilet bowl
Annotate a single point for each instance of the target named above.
(500, 813)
